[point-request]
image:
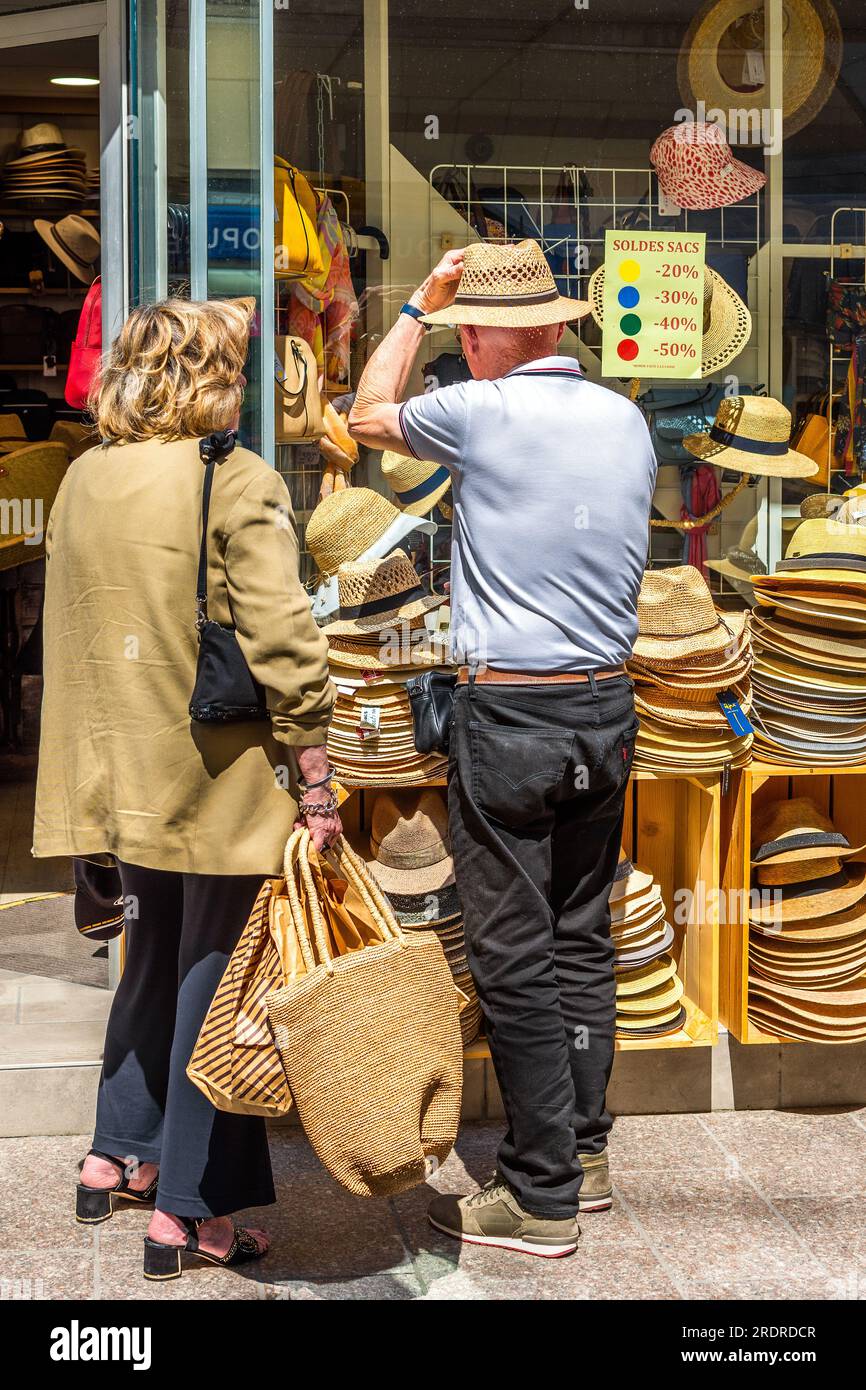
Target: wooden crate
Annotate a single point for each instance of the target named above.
(672, 830)
(841, 794)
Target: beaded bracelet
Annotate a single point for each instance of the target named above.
(318, 808)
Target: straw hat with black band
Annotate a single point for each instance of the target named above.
(376, 593)
(710, 67)
(508, 286)
(75, 242)
(751, 434)
(417, 485)
(727, 323)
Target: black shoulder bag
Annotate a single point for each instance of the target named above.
(225, 691)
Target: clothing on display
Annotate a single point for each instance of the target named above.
(689, 665)
(807, 939)
(697, 169)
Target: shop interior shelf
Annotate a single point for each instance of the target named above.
(672, 829)
(841, 793)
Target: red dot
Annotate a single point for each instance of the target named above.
(627, 350)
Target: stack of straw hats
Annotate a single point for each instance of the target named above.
(686, 656)
(376, 644)
(809, 641)
(807, 938)
(409, 855)
(48, 175)
(648, 989)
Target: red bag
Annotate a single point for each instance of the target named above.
(86, 353)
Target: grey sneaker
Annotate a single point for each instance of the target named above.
(596, 1192)
(494, 1216)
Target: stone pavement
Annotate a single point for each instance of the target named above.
(747, 1205)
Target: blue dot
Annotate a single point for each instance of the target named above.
(629, 297)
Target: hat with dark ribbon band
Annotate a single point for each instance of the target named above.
(749, 446)
(824, 560)
(381, 605)
(808, 840)
(425, 489)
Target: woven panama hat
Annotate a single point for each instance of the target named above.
(821, 896)
(795, 831)
(668, 705)
(741, 561)
(396, 660)
(75, 242)
(43, 143)
(845, 1004)
(633, 1026)
(627, 910)
(376, 593)
(710, 65)
(653, 1000)
(409, 849)
(506, 286)
(825, 551)
(751, 434)
(347, 524)
(645, 977)
(849, 619)
(634, 954)
(628, 881)
(697, 169)
(815, 645)
(417, 485)
(727, 324)
(820, 934)
(677, 617)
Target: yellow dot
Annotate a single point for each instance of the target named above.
(629, 270)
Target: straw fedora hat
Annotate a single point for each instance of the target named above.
(821, 896)
(851, 618)
(506, 286)
(677, 617)
(727, 324)
(417, 485)
(653, 999)
(43, 143)
(751, 434)
(646, 977)
(628, 881)
(821, 934)
(797, 831)
(346, 524)
(697, 169)
(710, 66)
(633, 954)
(824, 550)
(409, 851)
(74, 242)
(398, 660)
(811, 643)
(374, 593)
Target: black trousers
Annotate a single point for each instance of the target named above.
(181, 932)
(536, 793)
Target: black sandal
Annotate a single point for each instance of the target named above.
(95, 1204)
(164, 1261)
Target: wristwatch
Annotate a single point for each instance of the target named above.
(416, 314)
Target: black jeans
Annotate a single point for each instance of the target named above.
(536, 792)
(178, 945)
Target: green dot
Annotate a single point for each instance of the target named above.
(630, 324)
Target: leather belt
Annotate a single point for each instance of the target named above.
(489, 677)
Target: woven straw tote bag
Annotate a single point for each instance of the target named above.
(370, 1039)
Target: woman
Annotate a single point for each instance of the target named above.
(196, 814)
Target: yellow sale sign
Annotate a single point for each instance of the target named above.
(653, 304)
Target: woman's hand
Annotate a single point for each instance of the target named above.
(324, 830)
(314, 765)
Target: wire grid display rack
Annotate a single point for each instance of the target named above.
(842, 255)
(568, 209)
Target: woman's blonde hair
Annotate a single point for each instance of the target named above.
(174, 371)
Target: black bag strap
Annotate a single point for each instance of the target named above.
(212, 450)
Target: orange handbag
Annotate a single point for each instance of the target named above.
(815, 439)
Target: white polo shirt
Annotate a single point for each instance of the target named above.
(553, 479)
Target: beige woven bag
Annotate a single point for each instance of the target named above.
(370, 1040)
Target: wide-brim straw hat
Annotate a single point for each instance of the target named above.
(75, 242)
(667, 705)
(627, 908)
(508, 286)
(416, 484)
(820, 896)
(797, 831)
(650, 1000)
(645, 977)
(400, 660)
(348, 523)
(846, 1005)
(677, 618)
(812, 644)
(849, 619)
(409, 850)
(628, 881)
(374, 594)
(727, 324)
(634, 1026)
(751, 434)
(632, 955)
(712, 54)
(826, 552)
(821, 933)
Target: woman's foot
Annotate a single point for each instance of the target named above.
(215, 1235)
(98, 1172)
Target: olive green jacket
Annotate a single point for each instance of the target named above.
(122, 768)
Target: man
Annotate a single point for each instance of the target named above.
(552, 482)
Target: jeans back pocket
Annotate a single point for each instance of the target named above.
(514, 771)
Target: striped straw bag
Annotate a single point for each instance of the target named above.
(370, 1039)
(235, 1061)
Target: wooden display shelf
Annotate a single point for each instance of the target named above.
(672, 829)
(840, 795)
